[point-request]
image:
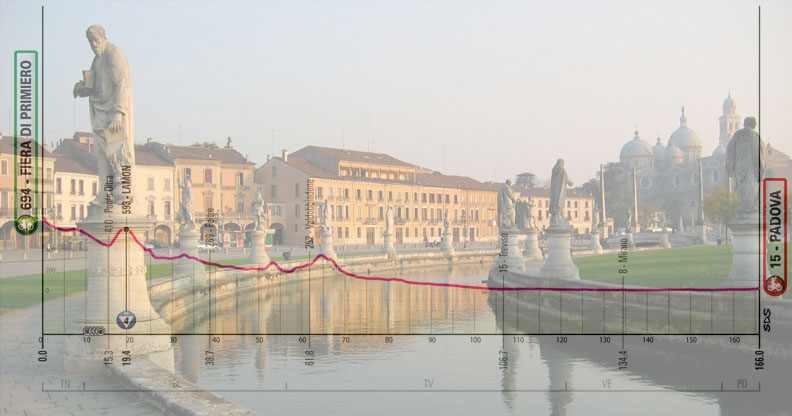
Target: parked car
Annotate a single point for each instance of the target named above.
(206, 246)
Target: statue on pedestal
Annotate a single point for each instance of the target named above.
(745, 162)
(506, 212)
(558, 183)
(629, 225)
(530, 220)
(185, 214)
(108, 87)
(389, 220)
(260, 213)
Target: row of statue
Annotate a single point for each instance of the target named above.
(108, 86)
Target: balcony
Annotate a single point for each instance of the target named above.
(400, 221)
(370, 221)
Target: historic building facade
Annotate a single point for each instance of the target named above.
(359, 187)
(667, 175)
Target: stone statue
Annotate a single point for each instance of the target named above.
(558, 183)
(596, 216)
(389, 220)
(185, 214)
(530, 220)
(745, 162)
(446, 224)
(108, 87)
(661, 220)
(506, 207)
(260, 212)
(327, 218)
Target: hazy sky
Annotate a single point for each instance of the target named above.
(504, 87)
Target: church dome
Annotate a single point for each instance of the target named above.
(674, 154)
(729, 105)
(636, 148)
(659, 150)
(684, 137)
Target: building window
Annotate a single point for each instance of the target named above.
(240, 179)
(676, 181)
(207, 175)
(58, 186)
(150, 184)
(166, 183)
(646, 182)
(296, 210)
(167, 209)
(423, 196)
(207, 202)
(358, 194)
(358, 232)
(346, 232)
(456, 201)
(694, 179)
(369, 194)
(82, 211)
(4, 167)
(379, 195)
(73, 189)
(406, 197)
(273, 191)
(60, 211)
(151, 207)
(431, 198)
(297, 189)
(73, 212)
(319, 192)
(346, 193)
(187, 173)
(82, 187)
(381, 213)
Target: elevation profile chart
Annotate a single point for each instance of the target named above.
(320, 295)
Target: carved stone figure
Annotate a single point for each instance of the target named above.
(260, 212)
(558, 183)
(446, 224)
(327, 218)
(629, 225)
(745, 162)
(389, 220)
(186, 211)
(108, 87)
(596, 216)
(530, 220)
(506, 212)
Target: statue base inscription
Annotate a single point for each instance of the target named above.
(746, 258)
(510, 256)
(559, 262)
(532, 252)
(258, 248)
(117, 299)
(191, 272)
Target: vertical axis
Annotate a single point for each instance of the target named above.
(42, 188)
(761, 216)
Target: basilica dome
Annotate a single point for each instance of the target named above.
(674, 154)
(684, 137)
(636, 148)
(659, 150)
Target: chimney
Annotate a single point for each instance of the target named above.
(285, 155)
(269, 157)
(148, 139)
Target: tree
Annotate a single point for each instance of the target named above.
(526, 179)
(721, 206)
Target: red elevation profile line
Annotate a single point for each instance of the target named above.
(388, 279)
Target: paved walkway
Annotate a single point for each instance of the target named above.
(23, 380)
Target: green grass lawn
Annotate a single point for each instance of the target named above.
(697, 267)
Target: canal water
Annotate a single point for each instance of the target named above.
(359, 356)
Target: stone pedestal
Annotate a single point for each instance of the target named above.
(532, 252)
(387, 247)
(510, 254)
(116, 283)
(630, 242)
(746, 256)
(448, 243)
(594, 244)
(258, 248)
(326, 247)
(559, 262)
(664, 239)
(603, 230)
(192, 273)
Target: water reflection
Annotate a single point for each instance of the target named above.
(543, 376)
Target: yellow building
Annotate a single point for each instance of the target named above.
(360, 186)
(222, 186)
(9, 238)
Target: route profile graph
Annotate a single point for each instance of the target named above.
(298, 294)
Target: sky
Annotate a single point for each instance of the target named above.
(486, 89)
